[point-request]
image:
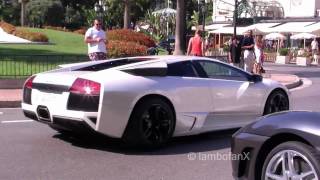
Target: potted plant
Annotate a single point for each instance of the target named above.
(283, 56)
(304, 59)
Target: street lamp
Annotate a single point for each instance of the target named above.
(100, 8)
(202, 8)
(235, 16)
(23, 11)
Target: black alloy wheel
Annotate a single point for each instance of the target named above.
(151, 124)
(277, 101)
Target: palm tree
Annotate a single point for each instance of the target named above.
(179, 48)
(126, 17)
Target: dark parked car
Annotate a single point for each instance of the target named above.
(168, 44)
(283, 145)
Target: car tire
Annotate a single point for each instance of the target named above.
(151, 124)
(276, 102)
(305, 158)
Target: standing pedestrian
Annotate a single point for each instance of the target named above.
(195, 46)
(314, 47)
(248, 51)
(258, 51)
(235, 52)
(96, 39)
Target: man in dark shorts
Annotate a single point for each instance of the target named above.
(235, 52)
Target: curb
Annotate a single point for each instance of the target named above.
(294, 84)
(10, 104)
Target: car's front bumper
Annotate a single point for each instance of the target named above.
(247, 145)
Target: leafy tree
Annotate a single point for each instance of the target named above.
(79, 5)
(10, 11)
(48, 12)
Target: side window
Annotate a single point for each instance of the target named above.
(220, 71)
(182, 69)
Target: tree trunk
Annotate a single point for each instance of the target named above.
(23, 11)
(179, 48)
(126, 17)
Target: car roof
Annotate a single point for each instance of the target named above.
(169, 58)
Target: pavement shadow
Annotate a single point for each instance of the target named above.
(180, 145)
(308, 74)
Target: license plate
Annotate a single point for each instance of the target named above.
(46, 98)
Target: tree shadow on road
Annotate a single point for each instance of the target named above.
(180, 145)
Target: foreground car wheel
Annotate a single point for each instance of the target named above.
(151, 124)
(277, 101)
(292, 160)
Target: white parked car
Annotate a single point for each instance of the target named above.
(147, 100)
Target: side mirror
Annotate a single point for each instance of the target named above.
(256, 78)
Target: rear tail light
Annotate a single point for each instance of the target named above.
(85, 87)
(27, 90)
(28, 83)
(84, 95)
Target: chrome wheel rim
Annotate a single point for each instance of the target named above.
(278, 103)
(156, 124)
(290, 165)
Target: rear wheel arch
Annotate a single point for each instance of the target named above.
(270, 144)
(133, 130)
(153, 96)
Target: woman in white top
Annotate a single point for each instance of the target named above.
(258, 51)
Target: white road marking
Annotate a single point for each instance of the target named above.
(17, 121)
(305, 83)
(1, 113)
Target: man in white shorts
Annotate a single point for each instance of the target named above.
(96, 39)
(248, 51)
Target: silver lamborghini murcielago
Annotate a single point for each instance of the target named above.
(147, 100)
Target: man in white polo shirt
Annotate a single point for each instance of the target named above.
(96, 39)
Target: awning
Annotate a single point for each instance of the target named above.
(228, 30)
(215, 26)
(290, 27)
(313, 28)
(211, 27)
(260, 28)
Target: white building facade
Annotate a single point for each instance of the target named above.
(275, 9)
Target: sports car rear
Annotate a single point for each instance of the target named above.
(48, 99)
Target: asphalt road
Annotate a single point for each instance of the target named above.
(30, 150)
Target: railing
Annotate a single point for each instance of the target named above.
(20, 66)
(270, 57)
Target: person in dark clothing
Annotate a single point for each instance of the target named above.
(235, 52)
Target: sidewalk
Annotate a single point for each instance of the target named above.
(11, 98)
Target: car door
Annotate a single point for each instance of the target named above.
(191, 96)
(235, 98)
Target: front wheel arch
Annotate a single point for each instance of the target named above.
(270, 144)
(273, 92)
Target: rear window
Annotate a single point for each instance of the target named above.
(112, 64)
